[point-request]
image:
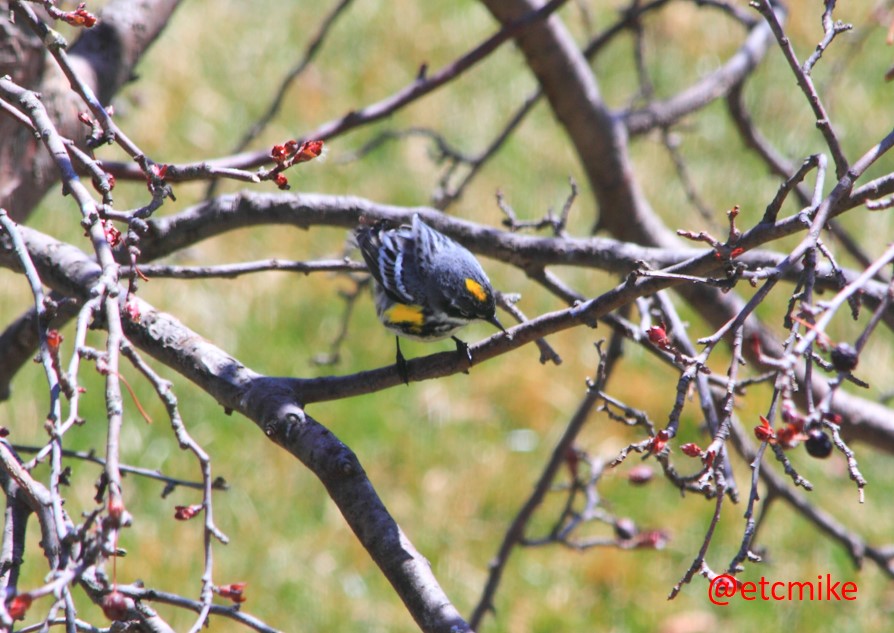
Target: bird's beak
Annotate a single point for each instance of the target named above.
(494, 321)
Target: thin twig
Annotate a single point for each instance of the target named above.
(515, 533)
(230, 271)
(823, 122)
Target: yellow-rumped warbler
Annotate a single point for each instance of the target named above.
(426, 285)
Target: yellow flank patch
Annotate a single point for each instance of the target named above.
(476, 289)
(400, 313)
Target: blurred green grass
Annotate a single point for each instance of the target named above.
(439, 452)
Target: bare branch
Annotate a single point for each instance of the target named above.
(421, 86)
(515, 534)
(823, 122)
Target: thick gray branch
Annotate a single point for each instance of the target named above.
(104, 58)
(598, 136)
(271, 404)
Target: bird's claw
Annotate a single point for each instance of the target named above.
(462, 348)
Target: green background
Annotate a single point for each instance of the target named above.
(442, 454)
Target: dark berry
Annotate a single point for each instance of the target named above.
(625, 529)
(844, 357)
(114, 605)
(818, 444)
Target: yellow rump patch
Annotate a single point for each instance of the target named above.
(400, 313)
(476, 290)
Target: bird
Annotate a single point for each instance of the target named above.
(426, 286)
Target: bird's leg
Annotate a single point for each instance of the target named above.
(401, 363)
(462, 348)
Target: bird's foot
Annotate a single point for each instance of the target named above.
(401, 362)
(462, 348)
